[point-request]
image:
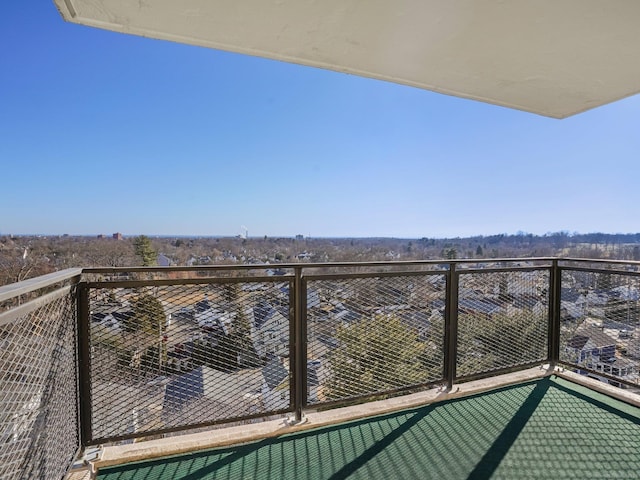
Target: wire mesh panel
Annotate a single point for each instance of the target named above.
(373, 335)
(38, 389)
(503, 320)
(599, 329)
(171, 356)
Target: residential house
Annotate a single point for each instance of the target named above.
(209, 317)
(623, 305)
(396, 295)
(313, 297)
(269, 329)
(163, 260)
(525, 283)
(180, 359)
(481, 308)
(304, 256)
(276, 387)
(275, 272)
(527, 304)
(590, 345)
(200, 260)
(633, 342)
(336, 311)
(619, 367)
(597, 298)
(596, 350)
(112, 402)
(222, 394)
(626, 292)
(573, 304)
(105, 324)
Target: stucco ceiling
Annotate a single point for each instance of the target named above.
(551, 57)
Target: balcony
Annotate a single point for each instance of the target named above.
(458, 369)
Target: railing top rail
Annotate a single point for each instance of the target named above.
(313, 265)
(533, 268)
(499, 260)
(12, 290)
(195, 268)
(11, 315)
(187, 281)
(600, 260)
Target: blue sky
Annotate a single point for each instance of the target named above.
(103, 132)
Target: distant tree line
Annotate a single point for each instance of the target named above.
(23, 257)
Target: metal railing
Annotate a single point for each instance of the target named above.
(167, 354)
(599, 306)
(161, 350)
(39, 429)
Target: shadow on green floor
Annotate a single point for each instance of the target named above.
(544, 429)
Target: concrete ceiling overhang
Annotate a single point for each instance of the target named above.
(551, 57)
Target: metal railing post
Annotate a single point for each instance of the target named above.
(555, 294)
(300, 361)
(84, 359)
(451, 326)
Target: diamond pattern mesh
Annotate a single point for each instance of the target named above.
(172, 356)
(599, 329)
(502, 320)
(172, 352)
(373, 335)
(38, 392)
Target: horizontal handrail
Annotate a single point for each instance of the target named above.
(565, 268)
(26, 286)
(599, 260)
(309, 265)
(13, 290)
(186, 281)
(15, 313)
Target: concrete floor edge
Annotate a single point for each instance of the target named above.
(153, 449)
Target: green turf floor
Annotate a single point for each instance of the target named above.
(549, 428)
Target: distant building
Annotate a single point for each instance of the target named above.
(118, 236)
(101, 236)
(299, 237)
